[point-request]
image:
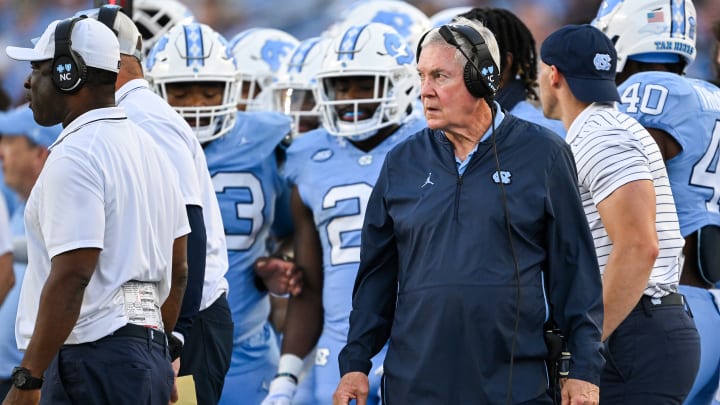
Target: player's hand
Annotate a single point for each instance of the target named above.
(280, 277)
(579, 392)
(22, 397)
(353, 385)
(282, 390)
(176, 369)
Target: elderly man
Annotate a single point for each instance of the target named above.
(470, 245)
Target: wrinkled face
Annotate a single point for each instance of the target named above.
(547, 97)
(45, 99)
(21, 162)
(354, 88)
(195, 94)
(446, 100)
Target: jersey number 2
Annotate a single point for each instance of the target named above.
(359, 194)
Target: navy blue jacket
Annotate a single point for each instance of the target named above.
(437, 275)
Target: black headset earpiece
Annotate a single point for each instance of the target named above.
(481, 74)
(68, 68)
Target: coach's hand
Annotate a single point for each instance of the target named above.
(353, 385)
(282, 390)
(174, 394)
(579, 392)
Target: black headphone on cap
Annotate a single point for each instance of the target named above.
(107, 15)
(481, 74)
(69, 70)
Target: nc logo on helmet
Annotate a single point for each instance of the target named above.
(397, 48)
(602, 61)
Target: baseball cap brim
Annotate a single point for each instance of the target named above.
(42, 50)
(25, 54)
(593, 90)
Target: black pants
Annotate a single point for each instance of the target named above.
(651, 358)
(207, 351)
(117, 370)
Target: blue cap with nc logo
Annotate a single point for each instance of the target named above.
(20, 122)
(587, 59)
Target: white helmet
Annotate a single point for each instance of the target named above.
(649, 30)
(293, 90)
(191, 53)
(444, 17)
(259, 54)
(372, 50)
(154, 18)
(405, 18)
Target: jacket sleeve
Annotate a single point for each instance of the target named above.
(574, 285)
(375, 291)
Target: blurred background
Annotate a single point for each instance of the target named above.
(21, 20)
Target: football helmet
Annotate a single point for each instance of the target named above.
(259, 53)
(293, 89)
(154, 18)
(649, 30)
(405, 18)
(376, 51)
(191, 53)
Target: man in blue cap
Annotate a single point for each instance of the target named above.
(630, 209)
(23, 150)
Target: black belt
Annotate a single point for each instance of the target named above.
(670, 299)
(133, 330)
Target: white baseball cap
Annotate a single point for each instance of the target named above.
(91, 39)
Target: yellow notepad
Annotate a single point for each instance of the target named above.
(186, 391)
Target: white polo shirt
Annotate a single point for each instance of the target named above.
(611, 150)
(177, 139)
(105, 185)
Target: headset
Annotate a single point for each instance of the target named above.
(69, 71)
(481, 74)
(107, 16)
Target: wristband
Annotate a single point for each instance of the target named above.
(290, 366)
(291, 376)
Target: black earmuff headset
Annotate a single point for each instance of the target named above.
(481, 74)
(69, 70)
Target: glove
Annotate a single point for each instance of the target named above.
(282, 390)
(379, 372)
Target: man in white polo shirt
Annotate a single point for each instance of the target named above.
(105, 225)
(205, 323)
(631, 212)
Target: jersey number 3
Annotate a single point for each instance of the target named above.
(242, 201)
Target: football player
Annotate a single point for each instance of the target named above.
(192, 68)
(367, 87)
(655, 42)
(259, 54)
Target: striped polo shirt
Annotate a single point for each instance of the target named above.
(612, 149)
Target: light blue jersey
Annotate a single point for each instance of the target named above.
(529, 112)
(689, 111)
(244, 171)
(335, 179)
